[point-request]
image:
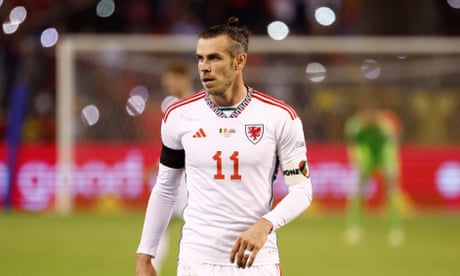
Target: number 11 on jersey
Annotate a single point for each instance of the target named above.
(234, 158)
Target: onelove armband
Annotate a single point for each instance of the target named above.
(296, 172)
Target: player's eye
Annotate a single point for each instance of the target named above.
(214, 57)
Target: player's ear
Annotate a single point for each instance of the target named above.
(240, 61)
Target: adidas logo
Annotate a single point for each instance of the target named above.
(199, 134)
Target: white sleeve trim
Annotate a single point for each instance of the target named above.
(159, 208)
(292, 205)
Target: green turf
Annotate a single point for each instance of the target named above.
(91, 244)
(75, 245)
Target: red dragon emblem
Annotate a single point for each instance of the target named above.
(254, 132)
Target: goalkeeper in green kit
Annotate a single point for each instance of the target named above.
(373, 147)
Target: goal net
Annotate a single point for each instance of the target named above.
(109, 96)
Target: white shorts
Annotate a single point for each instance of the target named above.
(188, 268)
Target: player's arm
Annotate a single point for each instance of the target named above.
(160, 207)
(144, 265)
(291, 144)
(293, 204)
(299, 196)
(351, 129)
(391, 125)
(292, 152)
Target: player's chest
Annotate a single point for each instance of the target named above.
(227, 139)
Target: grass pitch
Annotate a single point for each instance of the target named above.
(105, 244)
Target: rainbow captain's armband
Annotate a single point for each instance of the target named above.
(296, 172)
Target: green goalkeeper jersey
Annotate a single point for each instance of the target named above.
(372, 140)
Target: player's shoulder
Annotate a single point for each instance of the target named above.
(186, 101)
(274, 103)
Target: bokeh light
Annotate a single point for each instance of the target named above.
(9, 28)
(370, 68)
(169, 100)
(325, 16)
(277, 30)
(49, 37)
(454, 3)
(90, 115)
(105, 8)
(448, 179)
(18, 15)
(140, 90)
(135, 105)
(316, 72)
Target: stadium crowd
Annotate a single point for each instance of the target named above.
(24, 61)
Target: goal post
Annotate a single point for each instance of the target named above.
(429, 63)
(65, 142)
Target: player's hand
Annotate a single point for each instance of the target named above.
(144, 265)
(249, 243)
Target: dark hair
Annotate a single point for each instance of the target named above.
(239, 35)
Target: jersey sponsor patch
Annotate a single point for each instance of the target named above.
(227, 132)
(254, 132)
(296, 172)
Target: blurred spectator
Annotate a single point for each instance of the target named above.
(177, 82)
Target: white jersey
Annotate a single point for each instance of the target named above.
(181, 201)
(230, 165)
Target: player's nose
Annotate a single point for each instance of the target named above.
(204, 66)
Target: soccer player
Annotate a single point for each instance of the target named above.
(373, 146)
(177, 82)
(230, 139)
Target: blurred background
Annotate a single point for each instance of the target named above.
(80, 95)
(416, 79)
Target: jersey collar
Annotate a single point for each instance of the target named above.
(219, 111)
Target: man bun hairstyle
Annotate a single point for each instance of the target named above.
(243, 32)
(238, 34)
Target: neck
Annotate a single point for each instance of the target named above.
(234, 94)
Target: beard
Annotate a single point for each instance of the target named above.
(218, 88)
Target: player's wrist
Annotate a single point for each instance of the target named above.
(266, 224)
(143, 258)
